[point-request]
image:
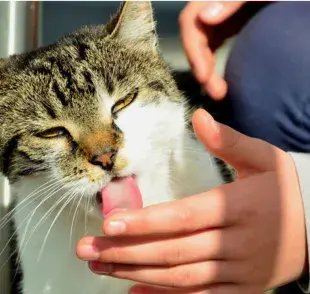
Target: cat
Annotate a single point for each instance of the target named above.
(100, 104)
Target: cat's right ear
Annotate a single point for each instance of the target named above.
(134, 22)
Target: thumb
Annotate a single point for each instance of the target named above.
(241, 152)
(215, 12)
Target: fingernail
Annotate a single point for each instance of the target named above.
(208, 118)
(115, 227)
(212, 10)
(90, 252)
(101, 268)
(215, 126)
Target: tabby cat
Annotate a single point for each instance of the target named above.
(98, 108)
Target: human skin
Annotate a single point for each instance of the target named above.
(196, 21)
(243, 237)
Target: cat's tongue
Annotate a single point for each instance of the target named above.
(119, 194)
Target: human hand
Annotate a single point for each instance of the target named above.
(242, 237)
(197, 22)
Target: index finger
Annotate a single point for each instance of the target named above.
(195, 41)
(189, 214)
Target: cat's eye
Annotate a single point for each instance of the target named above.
(121, 104)
(53, 133)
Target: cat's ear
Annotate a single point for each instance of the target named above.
(134, 22)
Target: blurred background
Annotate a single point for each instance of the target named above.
(27, 25)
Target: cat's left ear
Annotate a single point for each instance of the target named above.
(135, 22)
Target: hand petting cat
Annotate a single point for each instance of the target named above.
(243, 237)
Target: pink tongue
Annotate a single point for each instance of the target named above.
(120, 194)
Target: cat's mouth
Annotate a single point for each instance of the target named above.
(119, 194)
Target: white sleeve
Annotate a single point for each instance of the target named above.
(302, 163)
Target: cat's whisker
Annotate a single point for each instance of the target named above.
(74, 218)
(72, 206)
(53, 222)
(211, 162)
(17, 250)
(8, 259)
(86, 211)
(46, 198)
(23, 246)
(172, 178)
(42, 188)
(14, 233)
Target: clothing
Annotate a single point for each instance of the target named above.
(302, 163)
(268, 75)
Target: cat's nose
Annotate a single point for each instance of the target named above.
(104, 160)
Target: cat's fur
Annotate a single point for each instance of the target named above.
(74, 84)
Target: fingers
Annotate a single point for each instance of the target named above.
(224, 288)
(195, 42)
(207, 210)
(194, 34)
(182, 276)
(213, 289)
(206, 245)
(240, 151)
(216, 86)
(216, 12)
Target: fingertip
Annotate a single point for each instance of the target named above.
(211, 14)
(86, 240)
(216, 87)
(138, 289)
(198, 114)
(79, 250)
(217, 12)
(206, 129)
(201, 119)
(114, 227)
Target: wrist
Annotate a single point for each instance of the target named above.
(291, 263)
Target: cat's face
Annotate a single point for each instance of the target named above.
(99, 104)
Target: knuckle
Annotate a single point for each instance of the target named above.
(209, 272)
(116, 256)
(182, 277)
(217, 248)
(185, 216)
(241, 210)
(172, 255)
(245, 213)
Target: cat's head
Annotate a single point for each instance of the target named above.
(100, 103)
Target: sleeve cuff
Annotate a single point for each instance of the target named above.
(302, 164)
